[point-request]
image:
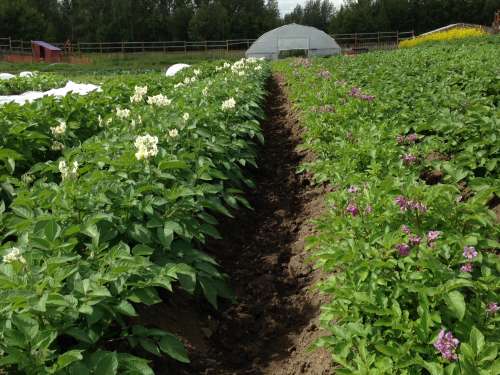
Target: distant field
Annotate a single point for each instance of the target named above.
(117, 62)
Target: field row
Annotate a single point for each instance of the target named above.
(118, 210)
(409, 140)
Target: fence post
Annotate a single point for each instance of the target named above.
(164, 47)
(123, 47)
(227, 45)
(143, 50)
(10, 44)
(185, 48)
(397, 36)
(378, 40)
(22, 46)
(355, 40)
(79, 50)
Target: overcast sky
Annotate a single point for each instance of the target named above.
(286, 6)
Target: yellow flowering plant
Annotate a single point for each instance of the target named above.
(452, 34)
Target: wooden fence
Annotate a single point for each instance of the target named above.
(370, 41)
(356, 41)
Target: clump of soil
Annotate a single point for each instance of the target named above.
(432, 177)
(274, 321)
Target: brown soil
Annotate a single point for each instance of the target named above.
(274, 321)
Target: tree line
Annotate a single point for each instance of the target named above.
(154, 20)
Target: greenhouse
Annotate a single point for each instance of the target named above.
(293, 38)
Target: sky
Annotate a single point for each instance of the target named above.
(286, 6)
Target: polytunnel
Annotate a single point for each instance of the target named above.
(294, 37)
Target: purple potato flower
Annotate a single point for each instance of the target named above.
(492, 308)
(467, 267)
(433, 235)
(406, 229)
(446, 344)
(415, 240)
(369, 209)
(353, 189)
(352, 209)
(412, 138)
(404, 249)
(470, 252)
(409, 159)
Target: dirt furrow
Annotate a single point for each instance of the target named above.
(274, 320)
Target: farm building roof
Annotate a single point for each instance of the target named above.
(46, 45)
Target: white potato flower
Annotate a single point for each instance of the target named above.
(185, 116)
(229, 104)
(59, 129)
(205, 91)
(159, 101)
(123, 113)
(57, 146)
(27, 178)
(197, 72)
(139, 94)
(68, 172)
(174, 133)
(14, 256)
(147, 147)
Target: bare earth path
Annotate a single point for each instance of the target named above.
(270, 327)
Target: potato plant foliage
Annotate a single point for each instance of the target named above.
(409, 140)
(38, 82)
(92, 229)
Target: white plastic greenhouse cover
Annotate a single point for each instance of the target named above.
(294, 37)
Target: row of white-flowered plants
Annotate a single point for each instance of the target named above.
(98, 231)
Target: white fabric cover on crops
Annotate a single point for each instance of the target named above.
(294, 37)
(26, 74)
(174, 69)
(6, 76)
(30, 96)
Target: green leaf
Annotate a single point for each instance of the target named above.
(52, 230)
(456, 303)
(149, 345)
(106, 363)
(174, 348)
(126, 308)
(131, 365)
(173, 164)
(68, 358)
(476, 340)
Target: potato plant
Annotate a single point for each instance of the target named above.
(108, 223)
(36, 82)
(409, 141)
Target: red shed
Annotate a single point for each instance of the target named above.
(43, 51)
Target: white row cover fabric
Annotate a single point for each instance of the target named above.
(7, 76)
(174, 69)
(30, 96)
(294, 37)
